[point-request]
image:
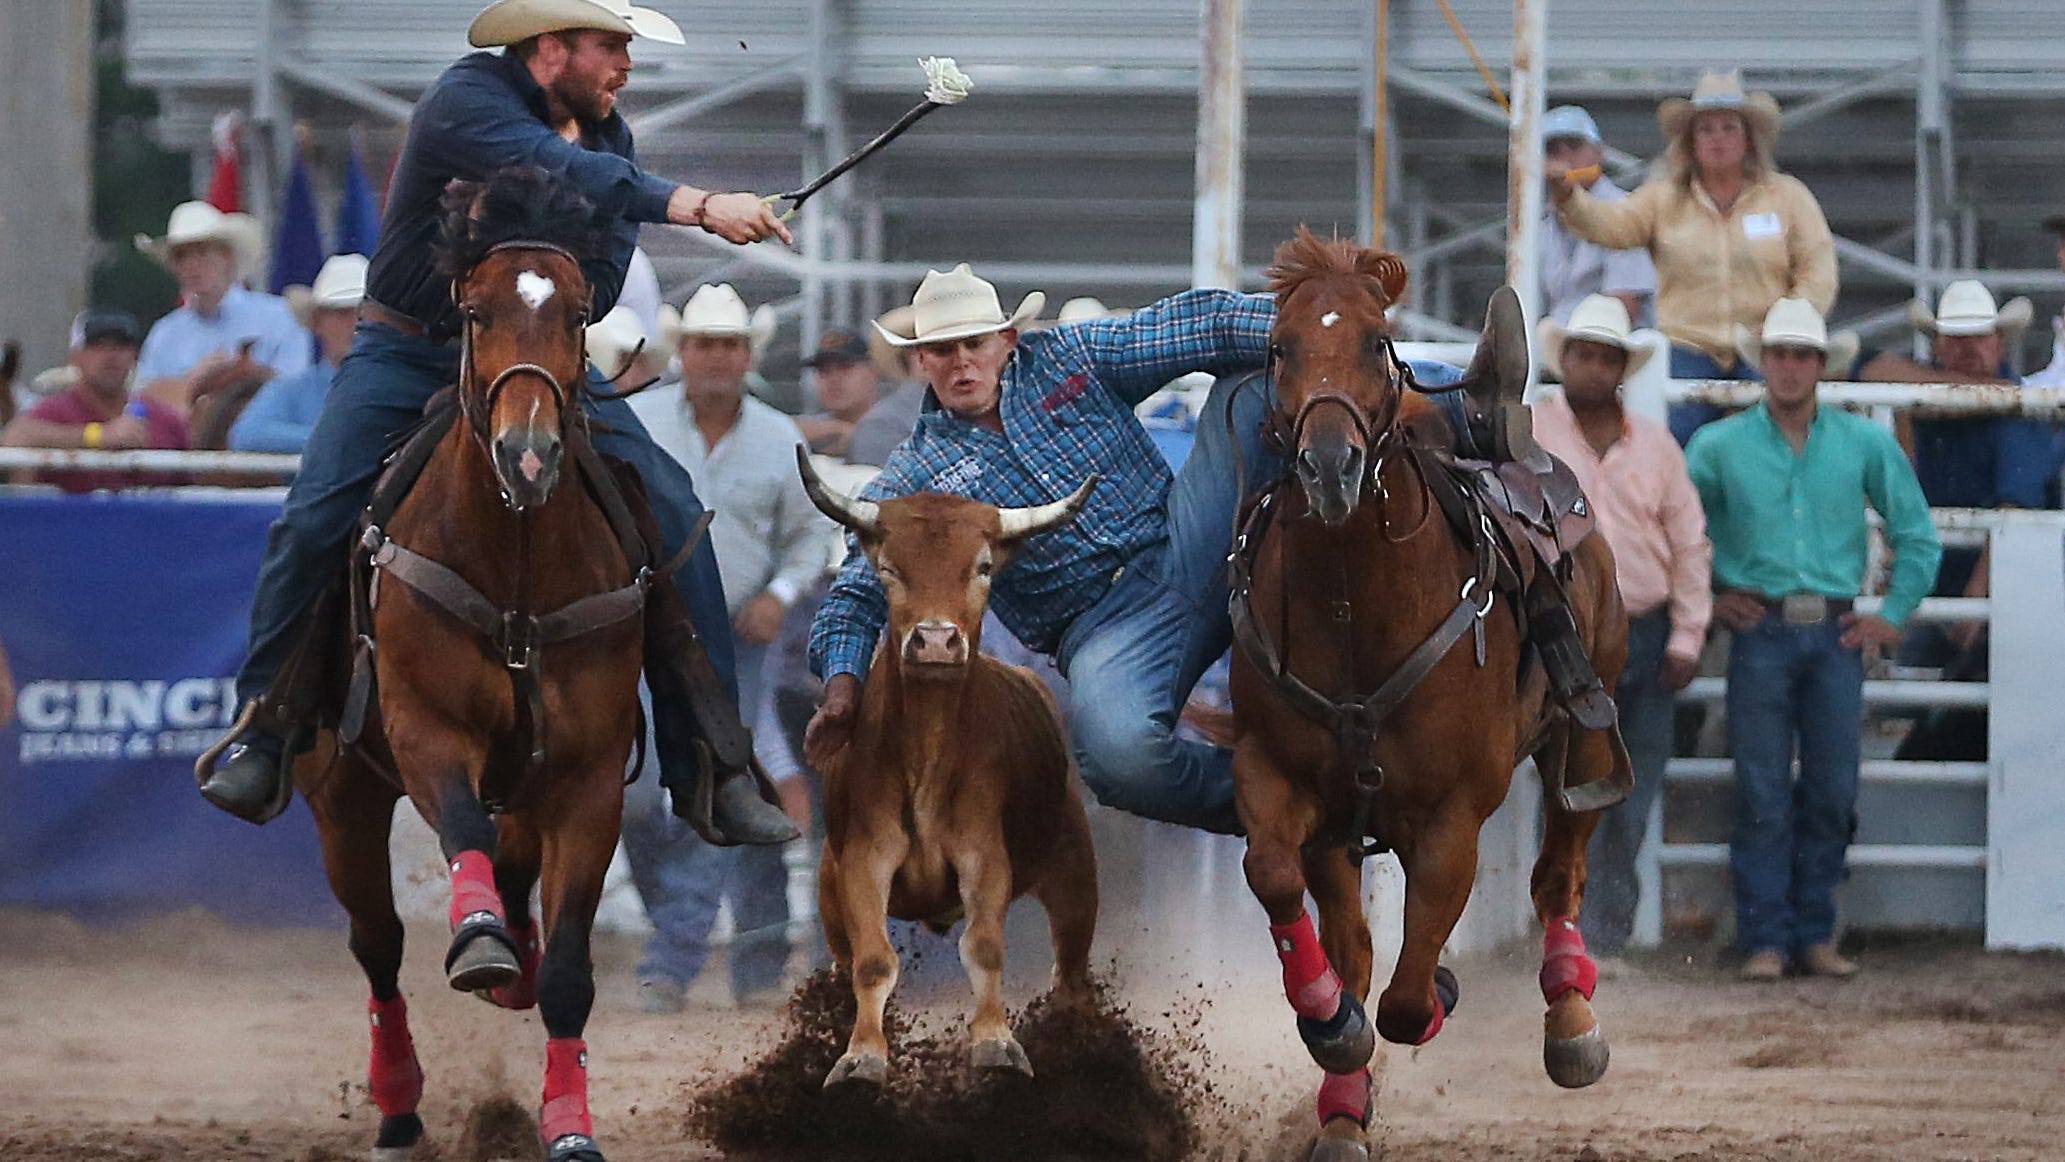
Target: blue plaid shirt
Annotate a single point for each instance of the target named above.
(1067, 403)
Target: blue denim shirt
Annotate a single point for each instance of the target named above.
(482, 114)
(1067, 402)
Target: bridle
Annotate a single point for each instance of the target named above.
(477, 415)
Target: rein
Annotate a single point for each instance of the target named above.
(1355, 721)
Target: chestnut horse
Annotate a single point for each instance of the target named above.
(1358, 577)
(534, 724)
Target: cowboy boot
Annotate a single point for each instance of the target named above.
(1498, 425)
(705, 752)
(255, 783)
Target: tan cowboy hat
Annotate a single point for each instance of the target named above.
(201, 222)
(340, 285)
(1795, 323)
(717, 309)
(1598, 319)
(954, 304)
(613, 339)
(1967, 308)
(510, 21)
(1719, 90)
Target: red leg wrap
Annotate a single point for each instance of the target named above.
(473, 887)
(1308, 980)
(524, 993)
(393, 1074)
(566, 1091)
(1346, 1095)
(1433, 1024)
(1565, 966)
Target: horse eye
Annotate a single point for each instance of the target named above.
(1277, 352)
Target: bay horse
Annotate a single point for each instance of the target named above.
(1375, 694)
(502, 601)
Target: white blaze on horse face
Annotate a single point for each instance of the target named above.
(533, 288)
(1330, 318)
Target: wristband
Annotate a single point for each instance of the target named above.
(702, 205)
(92, 436)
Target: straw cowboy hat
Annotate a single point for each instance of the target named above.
(1967, 308)
(201, 222)
(340, 285)
(1086, 309)
(510, 21)
(1718, 90)
(717, 309)
(888, 360)
(1599, 319)
(614, 338)
(1795, 323)
(955, 304)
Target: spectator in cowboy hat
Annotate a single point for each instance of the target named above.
(1573, 268)
(2053, 374)
(1785, 486)
(1730, 234)
(211, 253)
(97, 409)
(283, 413)
(1635, 476)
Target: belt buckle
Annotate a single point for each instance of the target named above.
(1804, 608)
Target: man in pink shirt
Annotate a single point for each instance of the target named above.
(1642, 494)
(97, 411)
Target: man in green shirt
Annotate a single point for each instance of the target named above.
(1785, 485)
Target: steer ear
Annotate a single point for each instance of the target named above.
(862, 516)
(1015, 525)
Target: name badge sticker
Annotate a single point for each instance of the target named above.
(1762, 226)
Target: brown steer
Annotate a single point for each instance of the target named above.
(955, 796)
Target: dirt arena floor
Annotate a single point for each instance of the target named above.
(188, 1040)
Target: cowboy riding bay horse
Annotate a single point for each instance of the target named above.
(497, 628)
(1379, 693)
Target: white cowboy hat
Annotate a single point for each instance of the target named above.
(201, 222)
(510, 21)
(1967, 308)
(1795, 323)
(1086, 309)
(717, 309)
(339, 285)
(1718, 90)
(1598, 319)
(954, 304)
(613, 338)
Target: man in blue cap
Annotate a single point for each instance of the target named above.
(1572, 268)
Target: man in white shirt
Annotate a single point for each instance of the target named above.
(210, 253)
(772, 545)
(1571, 267)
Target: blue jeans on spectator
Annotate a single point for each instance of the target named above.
(1792, 685)
(682, 881)
(1687, 418)
(1132, 658)
(1612, 887)
(377, 396)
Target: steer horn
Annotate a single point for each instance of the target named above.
(1016, 524)
(862, 516)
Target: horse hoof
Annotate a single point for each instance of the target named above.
(1343, 1044)
(859, 1068)
(483, 964)
(1575, 1062)
(1446, 989)
(400, 1135)
(1000, 1054)
(574, 1148)
(1339, 1150)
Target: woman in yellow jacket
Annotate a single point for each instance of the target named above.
(1729, 234)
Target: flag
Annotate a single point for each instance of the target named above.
(297, 245)
(358, 215)
(225, 183)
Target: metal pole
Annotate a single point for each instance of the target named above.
(261, 158)
(1524, 160)
(1380, 125)
(1928, 128)
(1221, 148)
(819, 126)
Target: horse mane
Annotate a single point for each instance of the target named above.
(1306, 258)
(521, 203)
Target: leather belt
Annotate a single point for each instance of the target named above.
(372, 312)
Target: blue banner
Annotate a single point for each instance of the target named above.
(124, 617)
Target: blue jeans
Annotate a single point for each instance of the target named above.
(1687, 418)
(1792, 685)
(1612, 888)
(377, 396)
(1132, 658)
(681, 880)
